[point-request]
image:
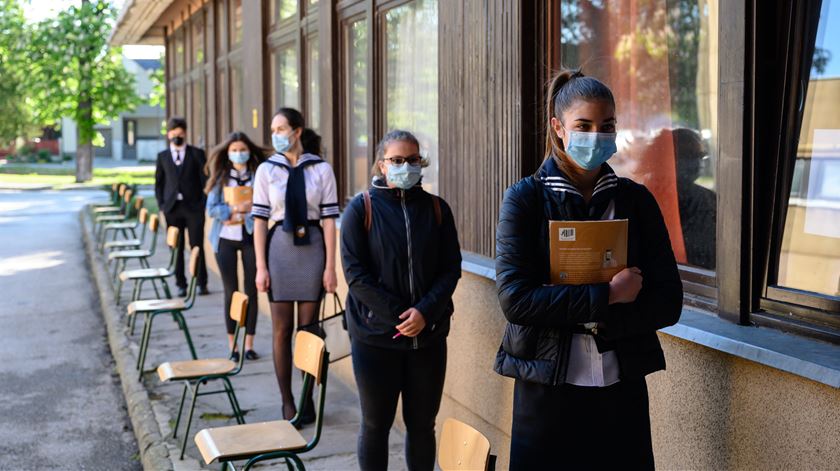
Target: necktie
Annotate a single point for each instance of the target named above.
(177, 158)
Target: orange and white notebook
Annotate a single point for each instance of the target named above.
(585, 252)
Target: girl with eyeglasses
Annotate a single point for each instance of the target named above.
(402, 261)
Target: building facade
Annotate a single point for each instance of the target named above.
(727, 113)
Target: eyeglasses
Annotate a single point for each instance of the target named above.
(411, 159)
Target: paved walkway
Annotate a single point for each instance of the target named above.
(256, 386)
(61, 406)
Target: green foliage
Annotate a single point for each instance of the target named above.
(74, 73)
(15, 114)
(157, 97)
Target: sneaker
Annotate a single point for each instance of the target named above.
(251, 355)
(235, 357)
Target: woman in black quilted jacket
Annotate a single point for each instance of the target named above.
(580, 353)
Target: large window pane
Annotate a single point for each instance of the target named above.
(199, 119)
(179, 52)
(221, 28)
(411, 61)
(198, 38)
(236, 97)
(356, 73)
(286, 78)
(235, 23)
(810, 255)
(286, 9)
(659, 57)
(222, 120)
(313, 84)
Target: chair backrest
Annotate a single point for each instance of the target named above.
(115, 187)
(172, 237)
(143, 217)
(122, 189)
(309, 354)
(238, 307)
(138, 203)
(153, 221)
(194, 253)
(462, 447)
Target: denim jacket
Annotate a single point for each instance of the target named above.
(219, 211)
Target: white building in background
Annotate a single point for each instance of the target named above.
(134, 135)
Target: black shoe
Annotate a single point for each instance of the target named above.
(203, 291)
(235, 357)
(251, 355)
(182, 292)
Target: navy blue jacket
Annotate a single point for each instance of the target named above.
(541, 317)
(406, 260)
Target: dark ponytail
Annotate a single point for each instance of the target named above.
(568, 86)
(309, 139)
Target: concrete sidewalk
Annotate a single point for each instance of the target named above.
(256, 386)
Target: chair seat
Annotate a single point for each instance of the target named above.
(179, 370)
(113, 218)
(121, 225)
(247, 440)
(142, 273)
(129, 254)
(150, 305)
(115, 244)
(106, 209)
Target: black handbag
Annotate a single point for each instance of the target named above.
(332, 329)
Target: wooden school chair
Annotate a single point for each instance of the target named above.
(463, 448)
(113, 198)
(112, 207)
(128, 230)
(151, 308)
(127, 210)
(194, 373)
(142, 275)
(121, 257)
(276, 439)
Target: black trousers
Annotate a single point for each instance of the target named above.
(193, 222)
(229, 268)
(382, 374)
(573, 427)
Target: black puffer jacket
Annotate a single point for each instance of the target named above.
(407, 259)
(540, 317)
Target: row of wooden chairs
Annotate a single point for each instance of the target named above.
(461, 448)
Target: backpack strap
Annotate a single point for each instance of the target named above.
(436, 204)
(368, 210)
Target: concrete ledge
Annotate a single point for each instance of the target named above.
(154, 454)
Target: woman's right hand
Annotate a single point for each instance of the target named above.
(263, 281)
(625, 285)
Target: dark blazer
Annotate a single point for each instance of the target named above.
(407, 259)
(541, 318)
(189, 180)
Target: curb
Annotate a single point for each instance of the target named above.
(154, 454)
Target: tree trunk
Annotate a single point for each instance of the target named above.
(84, 149)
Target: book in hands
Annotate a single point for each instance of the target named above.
(587, 252)
(236, 195)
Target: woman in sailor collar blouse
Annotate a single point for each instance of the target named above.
(295, 189)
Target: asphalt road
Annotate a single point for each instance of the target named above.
(61, 406)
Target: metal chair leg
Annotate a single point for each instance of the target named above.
(234, 402)
(189, 419)
(180, 409)
(183, 323)
(166, 288)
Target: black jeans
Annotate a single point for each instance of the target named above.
(382, 374)
(193, 222)
(229, 268)
(574, 427)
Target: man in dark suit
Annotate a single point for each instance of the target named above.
(179, 188)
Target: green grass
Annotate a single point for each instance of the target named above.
(59, 177)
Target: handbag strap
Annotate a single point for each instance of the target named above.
(336, 305)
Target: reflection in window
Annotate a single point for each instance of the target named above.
(199, 119)
(313, 119)
(810, 254)
(222, 120)
(235, 23)
(286, 9)
(220, 26)
(198, 38)
(660, 59)
(356, 116)
(179, 52)
(236, 96)
(411, 57)
(286, 78)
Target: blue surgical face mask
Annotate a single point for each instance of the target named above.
(590, 149)
(239, 157)
(280, 142)
(403, 176)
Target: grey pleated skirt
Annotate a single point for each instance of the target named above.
(296, 271)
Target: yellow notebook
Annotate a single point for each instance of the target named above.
(584, 252)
